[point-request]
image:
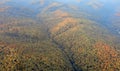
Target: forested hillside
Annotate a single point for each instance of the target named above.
(51, 35)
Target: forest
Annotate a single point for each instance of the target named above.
(44, 35)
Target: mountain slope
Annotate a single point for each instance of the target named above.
(44, 35)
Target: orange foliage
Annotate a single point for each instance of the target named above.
(65, 23)
(106, 55)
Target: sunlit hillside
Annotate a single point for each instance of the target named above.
(59, 35)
